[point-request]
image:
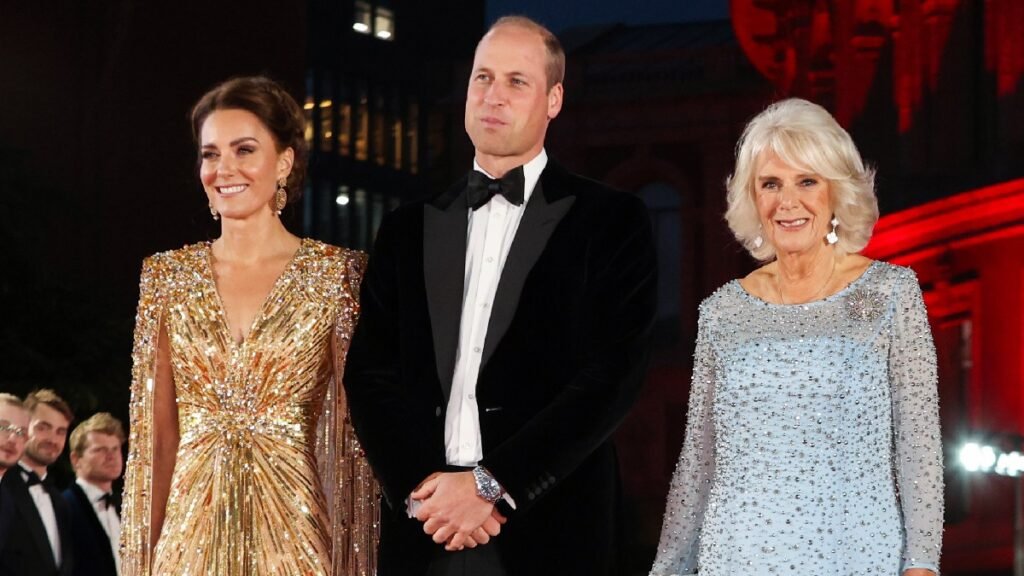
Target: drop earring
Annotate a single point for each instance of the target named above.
(213, 212)
(832, 237)
(280, 197)
(758, 240)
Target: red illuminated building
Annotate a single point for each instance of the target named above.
(967, 251)
(931, 91)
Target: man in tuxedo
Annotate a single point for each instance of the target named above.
(33, 516)
(502, 339)
(13, 432)
(95, 516)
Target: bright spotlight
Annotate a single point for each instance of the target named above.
(975, 457)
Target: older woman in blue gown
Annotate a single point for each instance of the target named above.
(812, 440)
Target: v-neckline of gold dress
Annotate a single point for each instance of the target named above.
(261, 312)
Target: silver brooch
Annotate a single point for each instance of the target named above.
(864, 304)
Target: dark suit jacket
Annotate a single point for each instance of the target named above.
(562, 363)
(24, 547)
(93, 556)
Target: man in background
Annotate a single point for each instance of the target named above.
(34, 518)
(13, 431)
(95, 516)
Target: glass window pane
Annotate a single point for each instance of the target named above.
(325, 124)
(384, 24)
(395, 115)
(342, 202)
(344, 128)
(412, 137)
(378, 130)
(361, 17)
(307, 109)
(362, 125)
(361, 225)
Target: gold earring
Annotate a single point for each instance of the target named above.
(213, 212)
(280, 197)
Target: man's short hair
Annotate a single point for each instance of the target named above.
(101, 422)
(11, 400)
(555, 68)
(51, 399)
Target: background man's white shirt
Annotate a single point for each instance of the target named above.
(44, 505)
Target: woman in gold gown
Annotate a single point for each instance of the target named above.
(241, 457)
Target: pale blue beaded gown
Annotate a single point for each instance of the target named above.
(812, 441)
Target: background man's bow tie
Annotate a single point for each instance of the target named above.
(31, 479)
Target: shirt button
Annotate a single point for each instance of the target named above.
(476, 349)
(490, 258)
(484, 305)
(471, 396)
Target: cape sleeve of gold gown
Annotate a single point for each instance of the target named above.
(135, 511)
(349, 486)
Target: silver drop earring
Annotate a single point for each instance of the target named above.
(758, 240)
(832, 237)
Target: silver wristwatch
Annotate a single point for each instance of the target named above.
(486, 486)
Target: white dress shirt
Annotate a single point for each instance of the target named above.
(107, 516)
(492, 228)
(44, 505)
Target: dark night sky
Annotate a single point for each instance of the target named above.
(559, 15)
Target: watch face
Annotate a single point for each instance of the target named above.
(486, 486)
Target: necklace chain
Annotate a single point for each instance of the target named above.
(778, 285)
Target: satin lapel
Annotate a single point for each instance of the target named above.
(445, 227)
(539, 221)
(29, 512)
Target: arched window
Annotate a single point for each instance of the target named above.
(663, 205)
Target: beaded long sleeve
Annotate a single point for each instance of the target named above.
(691, 482)
(135, 511)
(915, 413)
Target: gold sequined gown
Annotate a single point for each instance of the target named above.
(269, 477)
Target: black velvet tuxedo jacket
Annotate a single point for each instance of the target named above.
(563, 361)
(24, 547)
(93, 555)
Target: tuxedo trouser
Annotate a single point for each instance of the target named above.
(483, 560)
(480, 561)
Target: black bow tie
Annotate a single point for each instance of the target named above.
(31, 479)
(480, 188)
(110, 499)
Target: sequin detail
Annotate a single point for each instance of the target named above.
(865, 305)
(812, 441)
(269, 477)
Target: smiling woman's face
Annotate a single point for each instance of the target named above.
(794, 206)
(240, 163)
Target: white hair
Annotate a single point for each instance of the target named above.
(805, 136)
